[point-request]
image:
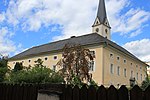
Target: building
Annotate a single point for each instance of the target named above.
(112, 65)
(148, 68)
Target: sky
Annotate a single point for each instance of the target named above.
(28, 23)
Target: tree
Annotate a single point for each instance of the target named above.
(3, 68)
(146, 82)
(18, 66)
(75, 64)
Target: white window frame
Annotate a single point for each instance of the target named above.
(137, 75)
(119, 58)
(54, 69)
(118, 70)
(125, 72)
(111, 55)
(124, 61)
(111, 68)
(141, 77)
(132, 73)
(92, 66)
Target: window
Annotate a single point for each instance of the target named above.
(118, 70)
(118, 58)
(124, 61)
(97, 29)
(137, 76)
(131, 64)
(55, 57)
(46, 58)
(111, 55)
(141, 77)
(92, 53)
(144, 76)
(125, 72)
(106, 30)
(136, 66)
(29, 60)
(111, 69)
(91, 65)
(54, 67)
(97, 22)
(131, 74)
(140, 67)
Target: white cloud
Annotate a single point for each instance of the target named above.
(76, 16)
(6, 44)
(140, 48)
(130, 21)
(2, 17)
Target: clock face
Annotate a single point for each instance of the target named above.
(97, 29)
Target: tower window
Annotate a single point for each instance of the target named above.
(106, 31)
(97, 22)
(97, 29)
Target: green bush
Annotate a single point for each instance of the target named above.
(3, 71)
(18, 66)
(36, 74)
(145, 83)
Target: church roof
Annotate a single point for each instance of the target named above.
(84, 40)
(101, 14)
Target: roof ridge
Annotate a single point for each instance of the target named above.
(63, 40)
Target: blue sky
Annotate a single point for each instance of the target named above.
(28, 23)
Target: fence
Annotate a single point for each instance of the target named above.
(29, 92)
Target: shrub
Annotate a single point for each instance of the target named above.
(36, 74)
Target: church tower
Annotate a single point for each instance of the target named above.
(101, 24)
